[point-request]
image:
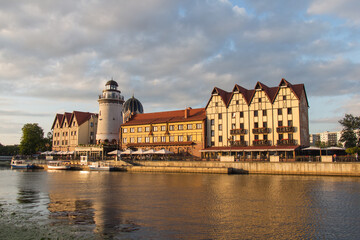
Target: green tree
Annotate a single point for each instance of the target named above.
(349, 123)
(32, 139)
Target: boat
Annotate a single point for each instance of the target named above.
(20, 164)
(101, 166)
(58, 165)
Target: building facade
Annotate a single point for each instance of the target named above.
(110, 114)
(182, 131)
(73, 129)
(257, 123)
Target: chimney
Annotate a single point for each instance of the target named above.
(187, 112)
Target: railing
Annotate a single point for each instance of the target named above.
(238, 143)
(237, 131)
(261, 130)
(286, 142)
(285, 129)
(261, 143)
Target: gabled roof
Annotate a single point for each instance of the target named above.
(59, 118)
(66, 116)
(270, 92)
(167, 117)
(225, 96)
(245, 92)
(297, 89)
(81, 117)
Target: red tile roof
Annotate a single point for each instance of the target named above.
(81, 117)
(166, 117)
(59, 118)
(66, 116)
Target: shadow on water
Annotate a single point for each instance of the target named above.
(28, 196)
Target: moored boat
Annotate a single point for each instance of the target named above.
(20, 164)
(101, 166)
(58, 165)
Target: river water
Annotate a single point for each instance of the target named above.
(118, 205)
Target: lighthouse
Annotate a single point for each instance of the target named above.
(110, 114)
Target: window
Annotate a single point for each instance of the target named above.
(212, 122)
(255, 113)
(237, 102)
(66, 142)
(280, 123)
(180, 138)
(284, 97)
(241, 114)
(147, 129)
(290, 136)
(198, 126)
(220, 126)
(290, 123)
(91, 124)
(65, 124)
(132, 130)
(264, 113)
(139, 139)
(256, 125)
(74, 133)
(265, 124)
(281, 137)
(242, 125)
(171, 139)
(139, 129)
(279, 111)
(189, 138)
(155, 139)
(256, 137)
(132, 140)
(233, 115)
(147, 139)
(124, 140)
(216, 104)
(163, 128)
(259, 99)
(242, 138)
(171, 127)
(99, 113)
(265, 137)
(212, 143)
(189, 126)
(233, 126)
(289, 110)
(54, 143)
(155, 128)
(212, 133)
(124, 130)
(74, 124)
(220, 139)
(220, 115)
(163, 139)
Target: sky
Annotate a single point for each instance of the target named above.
(56, 56)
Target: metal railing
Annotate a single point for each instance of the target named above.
(285, 129)
(261, 130)
(237, 131)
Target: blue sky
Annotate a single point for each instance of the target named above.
(56, 56)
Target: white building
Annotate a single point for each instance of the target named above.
(110, 114)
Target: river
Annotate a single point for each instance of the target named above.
(119, 205)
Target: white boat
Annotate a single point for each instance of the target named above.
(101, 166)
(20, 164)
(58, 165)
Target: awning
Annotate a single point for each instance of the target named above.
(251, 149)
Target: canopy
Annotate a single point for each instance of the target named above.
(335, 148)
(311, 148)
(115, 152)
(139, 152)
(163, 151)
(151, 151)
(127, 152)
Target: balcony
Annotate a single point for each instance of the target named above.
(261, 130)
(261, 143)
(285, 129)
(238, 143)
(286, 142)
(237, 131)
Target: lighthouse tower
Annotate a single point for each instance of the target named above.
(110, 114)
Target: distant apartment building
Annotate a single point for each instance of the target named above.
(73, 129)
(328, 138)
(258, 122)
(181, 131)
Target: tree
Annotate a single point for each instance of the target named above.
(349, 123)
(32, 139)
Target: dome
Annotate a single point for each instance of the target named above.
(133, 105)
(111, 83)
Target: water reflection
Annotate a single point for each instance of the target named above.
(196, 206)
